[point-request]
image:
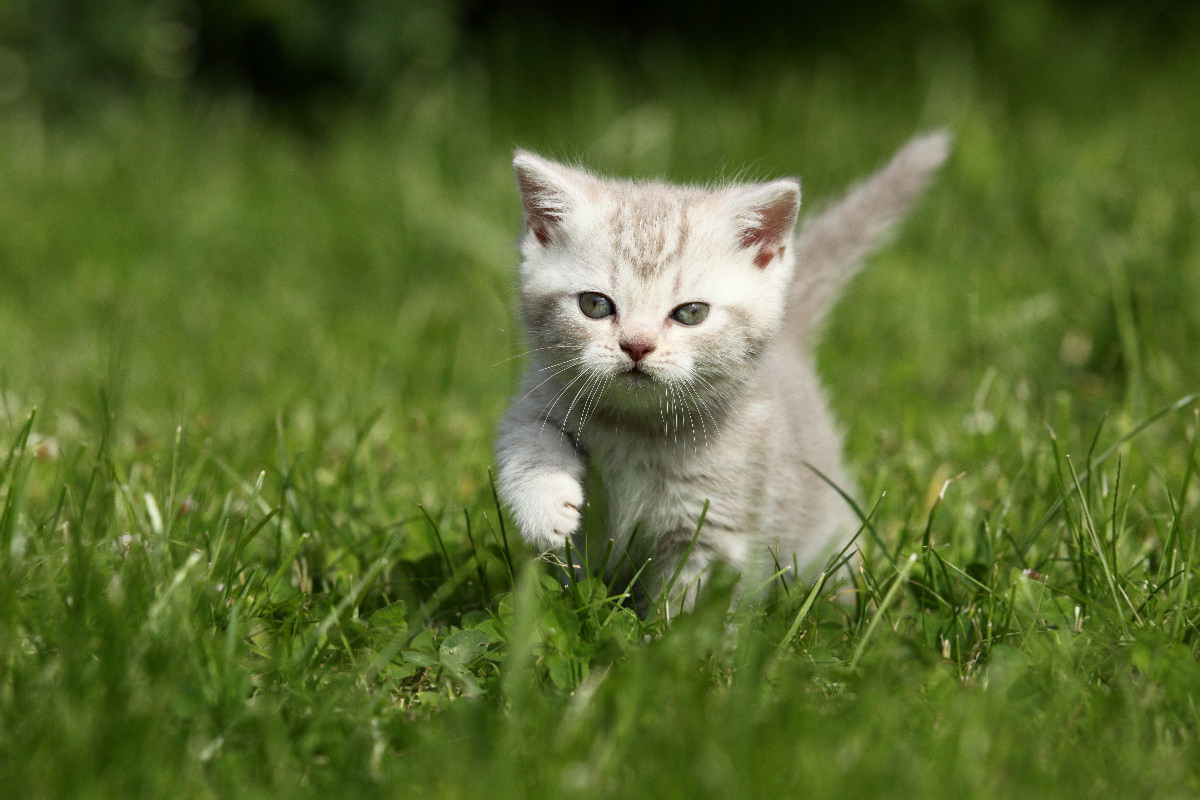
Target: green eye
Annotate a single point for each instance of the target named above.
(690, 313)
(596, 305)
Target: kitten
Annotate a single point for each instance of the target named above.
(672, 332)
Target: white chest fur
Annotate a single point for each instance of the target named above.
(656, 490)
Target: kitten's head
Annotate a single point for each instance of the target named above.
(643, 289)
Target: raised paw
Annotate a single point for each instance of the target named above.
(547, 509)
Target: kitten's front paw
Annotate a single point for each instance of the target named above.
(548, 510)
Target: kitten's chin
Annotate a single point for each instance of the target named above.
(634, 390)
(637, 377)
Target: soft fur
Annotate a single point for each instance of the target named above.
(728, 411)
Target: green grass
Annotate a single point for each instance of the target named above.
(248, 379)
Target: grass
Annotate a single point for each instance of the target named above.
(248, 542)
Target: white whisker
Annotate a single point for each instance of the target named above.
(573, 360)
(661, 415)
(694, 398)
(719, 398)
(546, 380)
(528, 352)
(591, 404)
(562, 430)
(705, 411)
(545, 415)
(683, 395)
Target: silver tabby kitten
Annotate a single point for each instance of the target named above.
(672, 332)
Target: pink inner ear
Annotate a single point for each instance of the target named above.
(764, 256)
(768, 234)
(541, 210)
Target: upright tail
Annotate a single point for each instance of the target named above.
(831, 247)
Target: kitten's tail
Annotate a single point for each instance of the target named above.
(831, 247)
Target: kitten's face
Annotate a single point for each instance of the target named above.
(636, 291)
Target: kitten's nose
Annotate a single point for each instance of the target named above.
(637, 348)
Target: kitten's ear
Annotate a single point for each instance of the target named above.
(765, 218)
(548, 192)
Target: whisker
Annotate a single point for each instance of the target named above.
(563, 428)
(528, 352)
(592, 402)
(661, 415)
(704, 410)
(545, 380)
(545, 415)
(674, 414)
(683, 396)
(572, 360)
(690, 393)
(720, 398)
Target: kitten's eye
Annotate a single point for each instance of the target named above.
(690, 313)
(596, 305)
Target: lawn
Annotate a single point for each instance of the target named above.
(249, 375)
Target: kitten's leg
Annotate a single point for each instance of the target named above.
(539, 477)
(672, 555)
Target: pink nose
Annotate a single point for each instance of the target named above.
(637, 350)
